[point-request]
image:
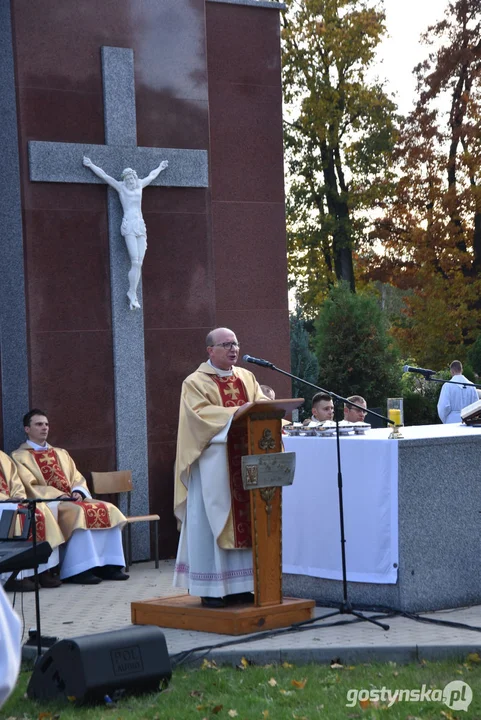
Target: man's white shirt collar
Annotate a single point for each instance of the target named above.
(222, 373)
(37, 447)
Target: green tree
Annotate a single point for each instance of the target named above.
(474, 356)
(339, 133)
(431, 234)
(421, 397)
(356, 354)
(304, 362)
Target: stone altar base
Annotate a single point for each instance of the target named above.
(439, 500)
(185, 612)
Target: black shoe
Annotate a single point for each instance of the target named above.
(84, 578)
(47, 580)
(242, 598)
(25, 585)
(110, 572)
(213, 602)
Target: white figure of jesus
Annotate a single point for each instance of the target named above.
(133, 226)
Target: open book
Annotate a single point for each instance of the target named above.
(471, 413)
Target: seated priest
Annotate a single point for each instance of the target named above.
(322, 408)
(214, 557)
(46, 527)
(354, 414)
(92, 529)
(268, 392)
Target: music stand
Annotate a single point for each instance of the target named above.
(345, 607)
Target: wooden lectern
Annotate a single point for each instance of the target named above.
(261, 423)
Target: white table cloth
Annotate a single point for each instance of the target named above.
(311, 530)
(311, 538)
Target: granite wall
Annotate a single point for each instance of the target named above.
(207, 76)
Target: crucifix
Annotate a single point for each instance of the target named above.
(63, 163)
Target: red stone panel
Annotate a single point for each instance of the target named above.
(246, 143)
(62, 115)
(177, 272)
(171, 356)
(167, 121)
(248, 224)
(68, 272)
(92, 459)
(250, 255)
(243, 45)
(71, 379)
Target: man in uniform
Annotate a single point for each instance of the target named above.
(92, 529)
(214, 557)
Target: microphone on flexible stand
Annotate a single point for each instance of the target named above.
(421, 371)
(257, 361)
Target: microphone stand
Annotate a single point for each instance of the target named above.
(430, 378)
(32, 509)
(345, 607)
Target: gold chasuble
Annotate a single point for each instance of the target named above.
(208, 402)
(51, 473)
(11, 487)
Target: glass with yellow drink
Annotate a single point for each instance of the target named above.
(395, 411)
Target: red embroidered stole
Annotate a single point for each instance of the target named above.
(52, 473)
(234, 394)
(96, 513)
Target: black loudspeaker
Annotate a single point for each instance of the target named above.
(88, 668)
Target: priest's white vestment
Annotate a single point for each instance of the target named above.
(210, 563)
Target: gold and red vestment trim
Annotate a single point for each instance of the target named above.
(233, 394)
(96, 512)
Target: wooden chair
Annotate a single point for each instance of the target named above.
(115, 483)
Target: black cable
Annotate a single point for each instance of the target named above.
(314, 623)
(180, 658)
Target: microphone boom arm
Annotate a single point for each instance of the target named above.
(333, 395)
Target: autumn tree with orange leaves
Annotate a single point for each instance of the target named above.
(431, 236)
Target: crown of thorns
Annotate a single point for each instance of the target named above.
(128, 171)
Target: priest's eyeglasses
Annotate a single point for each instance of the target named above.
(228, 345)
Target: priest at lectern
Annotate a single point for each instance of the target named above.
(214, 557)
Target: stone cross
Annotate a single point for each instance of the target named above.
(62, 162)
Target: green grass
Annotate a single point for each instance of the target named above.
(273, 692)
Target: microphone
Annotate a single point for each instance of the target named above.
(421, 371)
(257, 361)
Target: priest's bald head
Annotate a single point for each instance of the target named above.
(222, 348)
